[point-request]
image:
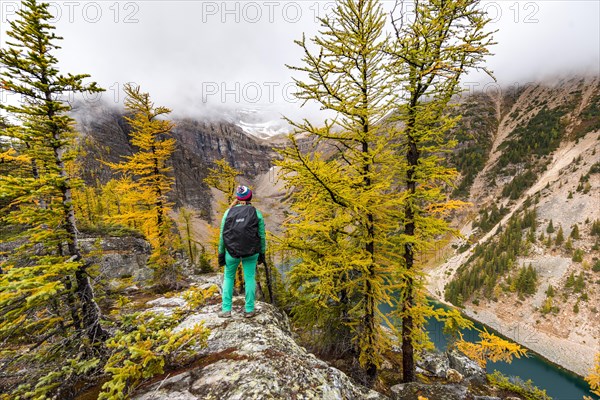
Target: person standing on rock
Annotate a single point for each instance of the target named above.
(242, 239)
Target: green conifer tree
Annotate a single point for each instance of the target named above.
(560, 236)
(550, 227)
(47, 304)
(575, 232)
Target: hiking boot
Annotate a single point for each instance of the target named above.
(249, 314)
(224, 314)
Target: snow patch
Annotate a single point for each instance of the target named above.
(260, 123)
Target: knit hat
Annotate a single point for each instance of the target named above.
(243, 193)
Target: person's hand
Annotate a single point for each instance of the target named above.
(221, 259)
(261, 259)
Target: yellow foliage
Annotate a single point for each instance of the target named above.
(490, 348)
(196, 297)
(222, 177)
(147, 179)
(594, 377)
(142, 350)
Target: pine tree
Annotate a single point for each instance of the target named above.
(578, 255)
(550, 227)
(560, 236)
(595, 230)
(342, 206)
(47, 304)
(531, 235)
(435, 45)
(148, 180)
(569, 245)
(579, 283)
(575, 232)
(547, 306)
(570, 281)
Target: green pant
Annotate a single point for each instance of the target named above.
(249, 265)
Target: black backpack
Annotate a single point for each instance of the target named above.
(240, 232)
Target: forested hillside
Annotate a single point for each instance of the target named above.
(530, 251)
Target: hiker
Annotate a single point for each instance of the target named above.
(242, 239)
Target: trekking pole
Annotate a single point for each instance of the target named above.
(269, 287)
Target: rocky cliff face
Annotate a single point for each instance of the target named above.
(198, 143)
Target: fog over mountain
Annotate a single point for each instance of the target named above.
(199, 56)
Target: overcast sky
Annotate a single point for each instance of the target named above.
(189, 53)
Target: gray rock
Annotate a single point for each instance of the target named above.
(254, 358)
(167, 302)
(467, 367)
(487, 398)
(434, 364)
(173, 395)
(131, 289)
(436, 391)
(121, 257)
(165, 305)
(206, 281)
(454, 376)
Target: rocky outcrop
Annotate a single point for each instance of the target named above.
(452, 366)
(433, 364)
(437, 391)
(252, 359)
(466, 367)
(118, 257)
(258, 358)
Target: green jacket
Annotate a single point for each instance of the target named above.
(261, 231)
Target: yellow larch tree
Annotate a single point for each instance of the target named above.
(343, 209)
(147, 180)
(435, 44)
(594, 376)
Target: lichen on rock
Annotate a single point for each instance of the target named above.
(254, 358)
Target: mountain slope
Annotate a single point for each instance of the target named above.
(543, 165)
(198, 143)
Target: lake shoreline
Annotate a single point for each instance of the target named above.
(546, 353)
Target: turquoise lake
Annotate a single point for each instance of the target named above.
(559, 383)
